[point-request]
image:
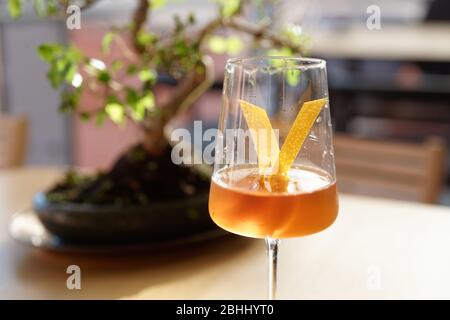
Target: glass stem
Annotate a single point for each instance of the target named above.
(272, 258)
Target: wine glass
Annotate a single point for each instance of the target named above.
(274, 173)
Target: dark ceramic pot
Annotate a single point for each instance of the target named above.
(84, 223)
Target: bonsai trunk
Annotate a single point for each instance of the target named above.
(154, 140)
(187, 92)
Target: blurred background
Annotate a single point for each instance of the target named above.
(389, 89)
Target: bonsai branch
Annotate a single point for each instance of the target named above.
(124, 47)
(261, 32)
(139, 19)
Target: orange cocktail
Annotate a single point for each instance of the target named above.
(274, 174)
(243, 202)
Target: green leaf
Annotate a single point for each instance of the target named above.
(181, 48)
(52, 7)
(69, 100)
(229, 7)
(154, 4)
(294, 33)
(191, 19)
(147, 102)
(61, 65)
(147, 75)
(218, 44)
(138, 113)
(45, 8)
(292, 74)
(85, 116)
(15, 8)
(293, 77)
(132, 97)
(116, 112)
(57, 72)
(54, 78)
(132, 69)
(145, 38)
(48, 52)
(234, 45)
(63, 62)
(40, 7)
(71, 70)
(107, 40)
(73, 54)
(116, 65)
(104, 76)
(280, 52)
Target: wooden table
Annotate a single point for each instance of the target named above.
(376, 249)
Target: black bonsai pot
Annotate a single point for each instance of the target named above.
(86, 223)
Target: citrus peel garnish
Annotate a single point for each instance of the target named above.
(297, 134)
(263, 136)
(266, 144)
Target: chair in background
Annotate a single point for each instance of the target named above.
(13, 137)
(397, 170)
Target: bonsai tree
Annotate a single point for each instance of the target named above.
(145, 173)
